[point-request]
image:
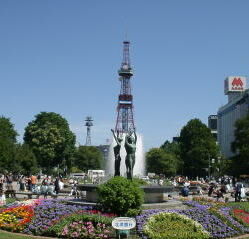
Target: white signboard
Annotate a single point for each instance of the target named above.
(235, 84)
(123, 223)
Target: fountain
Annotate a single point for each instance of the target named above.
(139, 168)
(134, 145)
(152, 194)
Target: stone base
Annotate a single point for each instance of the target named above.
(91, 196)
(153, 197)
(152, 194)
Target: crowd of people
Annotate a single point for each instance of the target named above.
(36, 184)
(221, 188)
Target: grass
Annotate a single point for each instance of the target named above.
(9, 235)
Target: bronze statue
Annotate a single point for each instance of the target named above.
(116, 150)
(130, 147)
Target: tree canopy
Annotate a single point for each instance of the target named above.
(197, 148)
(171, 147)
(88, 157)
(240, 146)
(7, 144)
(25, 160)
(7, 131)
(50, 138)
(160, 162)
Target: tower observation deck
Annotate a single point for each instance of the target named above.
(125, 120)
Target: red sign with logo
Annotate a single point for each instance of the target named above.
(237, 84)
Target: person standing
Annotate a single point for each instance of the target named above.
(33, 182)
(22, 183)
(238, 187)
(44, 187)
(1, 181)
(57, 185)
(9, 181)
(2, 198)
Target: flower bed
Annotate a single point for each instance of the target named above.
(242, 215)
(53, 217)
(16, 218)
(49, 212)
(83, 226)
(200, 212)
(230, 220)
(174, 226)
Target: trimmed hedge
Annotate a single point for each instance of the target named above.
(119, 194)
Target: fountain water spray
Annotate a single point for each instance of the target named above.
(139, 167)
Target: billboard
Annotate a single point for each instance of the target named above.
(235, 84)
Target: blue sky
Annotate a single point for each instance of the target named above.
(63, 56)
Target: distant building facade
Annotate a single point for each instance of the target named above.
(176, 139)
(212, 125)
(236, 108)
(104, 149)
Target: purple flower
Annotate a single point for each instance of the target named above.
(199, 213)
(47, 213)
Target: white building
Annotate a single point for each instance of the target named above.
(236, 108)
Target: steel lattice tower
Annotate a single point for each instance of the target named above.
(125, 120)
(88, 124)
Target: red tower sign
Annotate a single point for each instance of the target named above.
(125, 120)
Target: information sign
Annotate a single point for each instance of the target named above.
(123, 223)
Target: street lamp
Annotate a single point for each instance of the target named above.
(209, 165)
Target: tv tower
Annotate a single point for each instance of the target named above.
(88, 124)
(125, 121)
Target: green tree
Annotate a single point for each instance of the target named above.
(174, 148)
(160, 162)
(25, 160)
(88, 157)
(171, 147)
(51, 139)
(7, 131)
(240, 146)
(7, 155)
(197, 147)
(7, 144)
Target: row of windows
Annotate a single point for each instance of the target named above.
(226, 121)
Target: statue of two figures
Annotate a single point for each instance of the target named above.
(130, 148)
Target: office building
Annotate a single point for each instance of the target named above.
(212, 125)
(236, 108)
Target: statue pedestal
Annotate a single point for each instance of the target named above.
(152, 194)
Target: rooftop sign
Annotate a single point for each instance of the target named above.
(235, 84)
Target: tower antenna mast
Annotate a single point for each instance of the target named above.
(88, 124)
(125, 120)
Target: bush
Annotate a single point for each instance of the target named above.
(86, 225)
(139, 181)
(118, 195)
(174, 226)
(133, 212)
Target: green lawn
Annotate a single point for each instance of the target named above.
(8, 235)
